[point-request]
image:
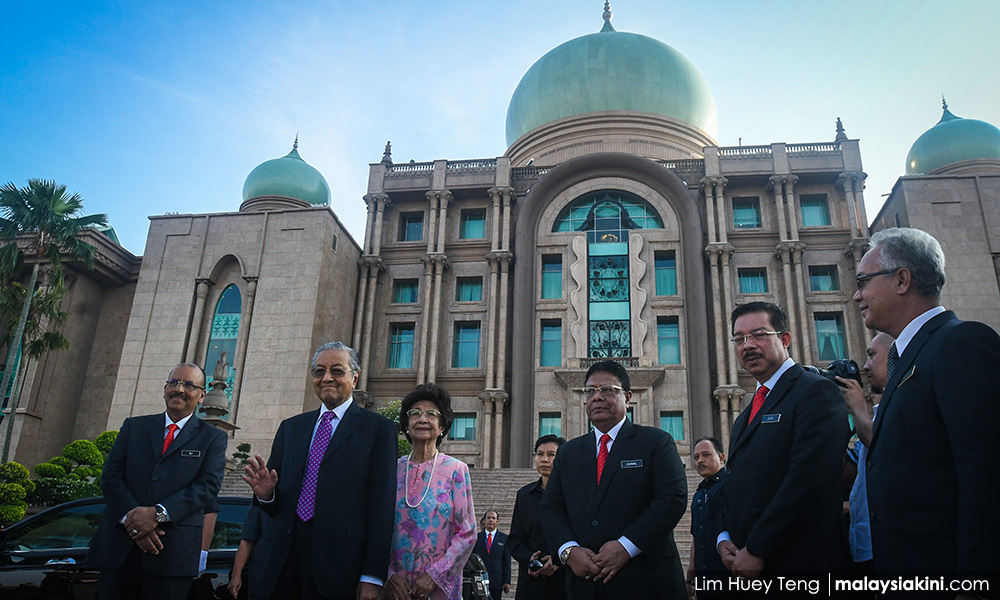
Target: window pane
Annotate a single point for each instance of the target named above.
(753, 281)
(469, 289)
(602, 210)
(551, 352)
(473, 225)
(404, 291)
(823, 278)
(70, 528)
(814, 211)
(549, 424)
(229, 526)
(401, 346)
(551, 276)
(746, 212)
(222, 339)
(668, 341)
(829, 336)
(666, 274)
(463, 427)
(411, 227)
(466, 350)
(673, 423)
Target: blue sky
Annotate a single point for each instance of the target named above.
(153, 107)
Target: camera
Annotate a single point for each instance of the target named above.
(844, 367)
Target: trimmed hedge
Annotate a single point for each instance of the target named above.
(105, 441)
(55, 491)
(83, 452)
(50, 470)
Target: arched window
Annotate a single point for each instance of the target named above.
(225, 329)
(606, 216)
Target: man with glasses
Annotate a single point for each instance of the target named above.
(333, 505)
(161, 473)
(614, 498)
(782, 505)
(928, 464)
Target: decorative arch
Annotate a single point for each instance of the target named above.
(223, 336)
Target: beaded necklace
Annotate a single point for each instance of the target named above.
(430, 476)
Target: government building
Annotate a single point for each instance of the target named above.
(614, 226)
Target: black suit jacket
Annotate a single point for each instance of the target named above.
(355, 495)
(930, 463)
(783, 499)
(184, 480)
(526, 537)
(497, 560)
(642, 495)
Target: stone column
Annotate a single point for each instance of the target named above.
(800, 284)
(493, 289)
(194, 339)
(242, 340)
(487, 428)
(432, 197)
(845, 181)
(706, 188)
(374, 264)
(727, 289)
(783, 252)
(719, 320)
(856, 249)
(775, 184)
(793, 219)
(444, 197)
(425, 317)
(369, 222)
(505, 260)
(728, 410)
(359, 310)
(440, 264)
(859, 198)
(720, 208)
(500, 401)
(382, 202)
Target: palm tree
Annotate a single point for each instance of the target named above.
(45, 216)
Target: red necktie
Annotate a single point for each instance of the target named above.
(602, 456)
(489, 542)
(758, 401)
(170, 436)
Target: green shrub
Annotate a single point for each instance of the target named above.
(73, 476)
(12, 493)
(83, 452)
(105, 441)
(12, 513)
(55, 491)
(28, 485)
(63, 462)
(50, 470)
(13, 472)
(84, 472)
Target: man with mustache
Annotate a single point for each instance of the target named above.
(782, 507)
(161, 473)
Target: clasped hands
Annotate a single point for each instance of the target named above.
(740, 561)
(397, 588)
(141, 525)
(603, 565)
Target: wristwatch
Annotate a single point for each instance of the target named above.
(564, 555)
(161, 514)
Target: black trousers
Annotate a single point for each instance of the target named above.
(130, 582)
(298, 579)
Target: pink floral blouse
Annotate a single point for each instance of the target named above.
(438, 536)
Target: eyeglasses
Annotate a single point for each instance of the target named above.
(758, 336)
(604, 390)
(430, 413)
(862, 280)
(336, 373)
(187, 385)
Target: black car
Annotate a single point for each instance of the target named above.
(42, 557)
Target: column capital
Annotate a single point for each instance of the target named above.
(503, 257)
(380, 201)
(442, 196)
(783, 251)
(711, 181)
(251, 285)
(719, 249)
(201, 287)
(797, 248)
(437, 258)
(501, 192)
(856, 248)
(790, 179)
(726, 393)
(371, 261)
(775, 181)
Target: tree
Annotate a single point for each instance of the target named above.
(48, 218)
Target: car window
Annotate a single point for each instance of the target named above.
(69, 528)
(228, 526)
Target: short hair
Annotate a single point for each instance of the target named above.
(611, 367)
(776, 316)
(707, 438)
(436, 395)
(355, 362)
(549, 439)
(487, 513)
(916, 251)
(204, 378)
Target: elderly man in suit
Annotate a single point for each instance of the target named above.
(782, 506)
(333, 504)
(614, 498)
(158, 478)
(928, 463)
(491, 546)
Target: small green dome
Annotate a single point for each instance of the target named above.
(611, 71)
(953, 140)
(288, 177)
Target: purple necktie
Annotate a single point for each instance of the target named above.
(307, 498)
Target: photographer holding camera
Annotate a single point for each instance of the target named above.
(860, 536)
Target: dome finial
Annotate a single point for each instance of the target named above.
(607, 17)
(944, 103)
(841, 136)
(295, 144)
(387, 154)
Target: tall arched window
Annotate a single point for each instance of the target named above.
(225, 329)
(606, 216)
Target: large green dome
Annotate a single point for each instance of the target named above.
(287, 177)
(953, 140)
(611, 71)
